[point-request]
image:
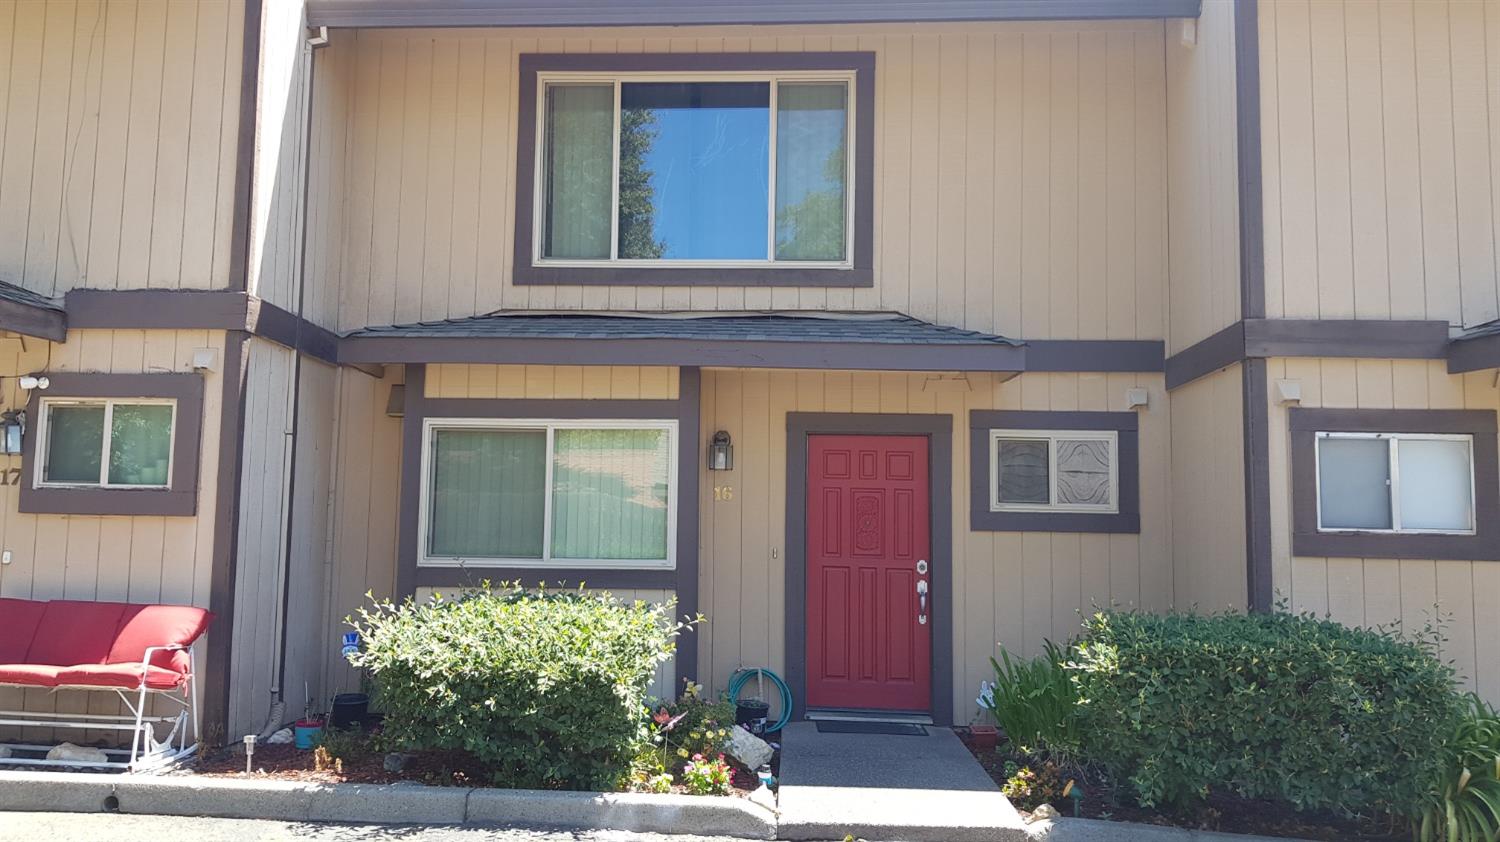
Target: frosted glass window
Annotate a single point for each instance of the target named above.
(1354, 482)
(1436, 491)
(1083, 472)
(1053, 471)
(535, 492)
(1395, 482)
(1024, 474)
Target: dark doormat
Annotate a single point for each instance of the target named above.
(897, 729)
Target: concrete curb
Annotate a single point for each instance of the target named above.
(231, 798)
(1095, 830)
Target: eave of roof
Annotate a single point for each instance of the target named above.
(25, 312)
(564, 13)
(890, 342)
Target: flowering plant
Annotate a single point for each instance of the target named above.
(702, 776)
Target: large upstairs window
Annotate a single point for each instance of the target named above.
(706, 169)
(729, 169)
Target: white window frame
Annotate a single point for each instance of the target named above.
(539, 178)
(550, 426)
(1393, 483)
(43, 432)
(1051, 437)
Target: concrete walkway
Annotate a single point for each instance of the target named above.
(882, 787)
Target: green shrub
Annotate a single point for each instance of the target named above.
(546, 688)
(1463, 802)
(1034, 702)
(1274, 706)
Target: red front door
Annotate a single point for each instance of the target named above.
(869, 632)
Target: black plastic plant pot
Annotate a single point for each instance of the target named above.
(350, 710)
(752, 713)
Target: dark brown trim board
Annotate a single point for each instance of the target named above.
(1474, 354)
(1095, 355)
(683, 579)
(244, 156)
(1125, 424)
(862, 356)
(1368, 338)
(156, 309)
(1259, 587)
(33, 320)
(1221, 350)
(1252, 301)
(180, 499)
(939, 431)
(1265, 338)
(287, 329)
(226, 538)
(1305, 424)
(451, 13)
(861, 275)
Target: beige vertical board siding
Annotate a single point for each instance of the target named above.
(1208, 493)
(1021, 174)
(312, 473)
(1380, 137)
(620, 382)
(1203, 194)
(1015, 588)
(136, 559)
(261, 548)
(366, 477)
(1459, 595)
(117, 142)
(281, 151)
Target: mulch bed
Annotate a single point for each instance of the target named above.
(364, 765)
(1221, 812)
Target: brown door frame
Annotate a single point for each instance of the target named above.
(938, 429)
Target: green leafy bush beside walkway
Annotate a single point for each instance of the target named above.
(546, 688)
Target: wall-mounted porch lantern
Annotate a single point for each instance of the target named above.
(12, 430)
(721, 453)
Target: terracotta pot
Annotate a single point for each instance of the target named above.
(985, 736)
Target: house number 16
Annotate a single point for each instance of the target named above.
(723, 493)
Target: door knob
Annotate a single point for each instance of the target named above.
(922, 602)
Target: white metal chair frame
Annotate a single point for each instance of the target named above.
(146, 753)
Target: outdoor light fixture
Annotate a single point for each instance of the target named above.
(721, 453)
(12, 429)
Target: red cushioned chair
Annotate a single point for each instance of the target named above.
(132, 650)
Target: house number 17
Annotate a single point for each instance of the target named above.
(723, 493)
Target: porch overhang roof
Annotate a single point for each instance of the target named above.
(1475, 349)
(25, 312)
(561, 13)
(859, 341)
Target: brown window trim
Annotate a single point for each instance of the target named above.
(1305, 424)
(1125, 424)
(179, 499)
(861, 275)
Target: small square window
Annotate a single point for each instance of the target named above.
(1395, 482)
(107, 443)
(1054, 471)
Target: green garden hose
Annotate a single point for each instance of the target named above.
(741, 677)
